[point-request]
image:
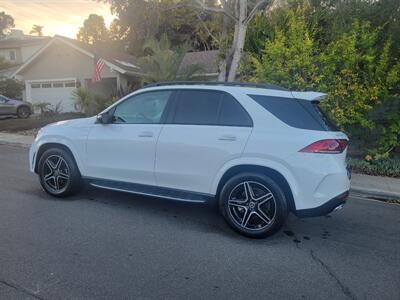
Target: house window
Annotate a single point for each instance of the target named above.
(58, 85)
(35, 85)
(12, 55)
(46, 85)
(70, 84)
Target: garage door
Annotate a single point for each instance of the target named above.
(55, 93)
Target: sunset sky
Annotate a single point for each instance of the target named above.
(62, 17)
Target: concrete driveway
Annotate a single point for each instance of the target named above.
(110, 245)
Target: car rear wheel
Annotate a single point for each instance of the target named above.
(58, 173)
(253, 205)
(23, 112)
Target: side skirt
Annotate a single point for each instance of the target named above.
(149, 190)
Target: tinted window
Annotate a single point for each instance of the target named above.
(197, 107)
(294, 112)
(146, 108)
(314, 108)
(233, 114)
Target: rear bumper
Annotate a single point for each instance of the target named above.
(325, 208)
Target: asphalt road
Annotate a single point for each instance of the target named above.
(110, 245)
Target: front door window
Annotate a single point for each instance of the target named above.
(146, 108)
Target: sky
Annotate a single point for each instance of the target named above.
(63, 17)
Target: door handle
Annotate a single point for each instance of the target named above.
(227, 138)
(146, 134)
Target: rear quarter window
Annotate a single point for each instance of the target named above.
(296, 113)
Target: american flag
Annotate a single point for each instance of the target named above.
(97, 67)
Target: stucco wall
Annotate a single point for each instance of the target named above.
(28, 51)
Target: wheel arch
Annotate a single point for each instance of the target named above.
(46, 146)
(22, 106)
(270, 172)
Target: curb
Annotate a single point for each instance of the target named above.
(379, 194)
(19, 144)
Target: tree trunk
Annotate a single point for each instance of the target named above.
(224, 35)
(238, 42)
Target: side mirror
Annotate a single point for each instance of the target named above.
(104, 118)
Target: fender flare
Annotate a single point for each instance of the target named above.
(256, 162)
(57, 140)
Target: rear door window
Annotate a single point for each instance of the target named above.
(233, 114)
(196, 107)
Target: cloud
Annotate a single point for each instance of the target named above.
(57, 16)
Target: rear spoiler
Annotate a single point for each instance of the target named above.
(310, 96)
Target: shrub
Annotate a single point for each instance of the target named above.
(47, 110)
(383, 167)
(11, 88)
(90, 103)
(42, 107)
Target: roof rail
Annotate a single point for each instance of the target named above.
(234, 83)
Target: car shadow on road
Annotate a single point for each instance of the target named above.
(197, 217)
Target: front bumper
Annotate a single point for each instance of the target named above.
(335, 203)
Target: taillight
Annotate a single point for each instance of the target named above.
(331, 146)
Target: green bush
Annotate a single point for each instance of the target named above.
(356, 67)
(384, 167)
(90, 103)
(11, 88)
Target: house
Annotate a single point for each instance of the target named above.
(59, 67)
(16, 50)
(62, 64)
(206, 60)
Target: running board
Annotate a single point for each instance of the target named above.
(148, 190)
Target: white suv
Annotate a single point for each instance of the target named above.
(260, 151)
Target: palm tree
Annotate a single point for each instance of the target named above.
(162, 63)
(37, 29)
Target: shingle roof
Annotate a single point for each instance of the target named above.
(121, 59)
(14, 43)
(207, 60)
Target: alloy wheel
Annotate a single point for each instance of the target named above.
(24, 112)
(252, 205)
(56, 174)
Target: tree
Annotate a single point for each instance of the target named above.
(357, 68)
(240, 12)
(6, 23)
(162, 62)
(139, 20)
(37, 29)
(93, 31)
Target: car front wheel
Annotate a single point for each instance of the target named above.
(58, 173)
(253, 205)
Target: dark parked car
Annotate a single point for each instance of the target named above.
(19, 108)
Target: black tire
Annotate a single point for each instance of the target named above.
(23, 112)
(59, 186)
(239, 210)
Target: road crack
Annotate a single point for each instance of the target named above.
(346, 291)
(20, 289)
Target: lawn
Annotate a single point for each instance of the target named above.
(33, 123)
